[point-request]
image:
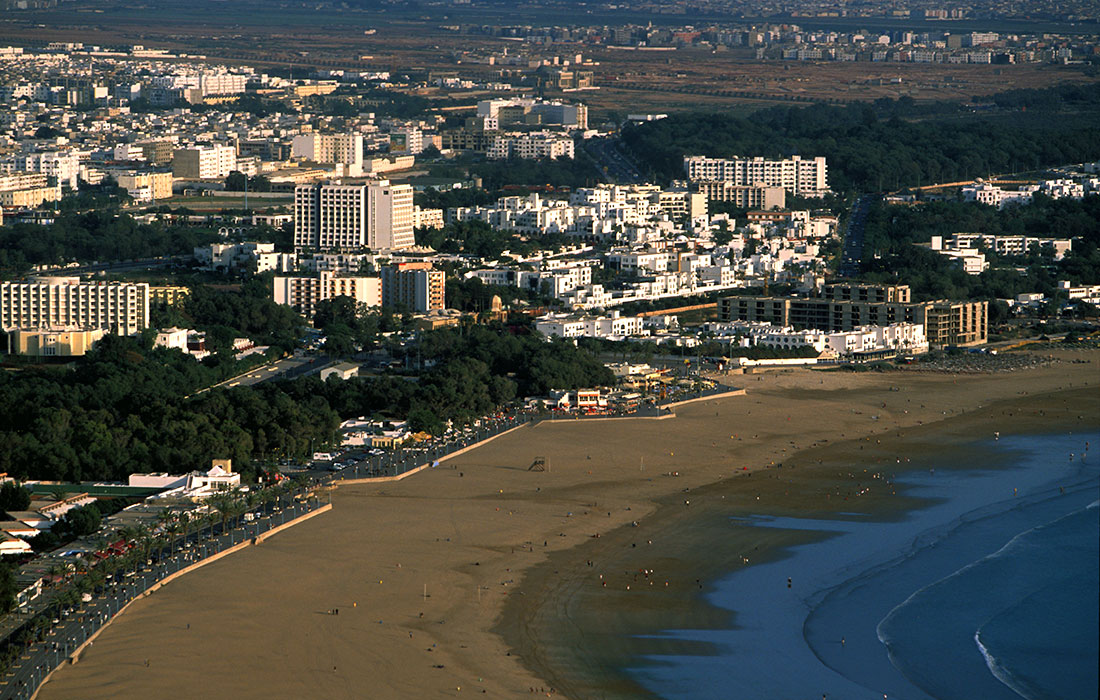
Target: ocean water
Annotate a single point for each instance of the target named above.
(989, 592)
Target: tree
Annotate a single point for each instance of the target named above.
(236, 181)
(8, 588)
(14, 497)
(422, 419)
(82, 521)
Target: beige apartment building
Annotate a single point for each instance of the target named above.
(146, 186)
(744, 196)
(30, 197)
(847, 307)
(157, 152)
(168, 294)
(59, 343)
(797, 175)
(65, 302)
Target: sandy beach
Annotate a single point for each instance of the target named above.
(472, 577)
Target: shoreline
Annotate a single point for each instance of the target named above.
(470, 578)
(640, 629)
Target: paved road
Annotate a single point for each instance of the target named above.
(614, 164)
(852, 253)
(286, 368)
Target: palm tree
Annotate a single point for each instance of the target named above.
(54, 572)
(185, 521)
(173, 530)
(223, 503)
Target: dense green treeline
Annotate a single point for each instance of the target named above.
(891, 232)
(467, 372)
(557, 172)
(125, 407)
(864, 151)
(94, 235)
(251, 312)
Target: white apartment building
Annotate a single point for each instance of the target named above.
(577, 326)
(900, 337)
(538, 144)
(1088, 293)
(204, 162)
(972, 262)
(347, 217)
(555, 282)
(801, 176)
(1011, 246)
(67, 303)
(641, 261)
(303, 293)
(172, 338)
(1058, 189)
(607, 210)
(339, 263)
(330, 217)
(211, 83)
(986, 193)
(427, 218)
(261, 256)
(63, 167)
(529, 110)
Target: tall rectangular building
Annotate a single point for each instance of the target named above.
(414, 284)
(48, 303)
(392, 217)
(797, 175)
(379, 216)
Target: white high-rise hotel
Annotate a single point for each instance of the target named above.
(378, 216)
(807, 177)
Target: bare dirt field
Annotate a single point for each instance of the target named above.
(689, 78)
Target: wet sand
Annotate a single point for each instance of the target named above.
(475, 576)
